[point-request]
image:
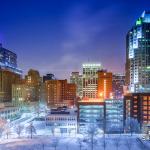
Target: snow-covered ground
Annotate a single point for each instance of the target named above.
(67, 143)
(45, 140)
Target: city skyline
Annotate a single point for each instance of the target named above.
(68, 30)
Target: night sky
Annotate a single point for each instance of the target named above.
(57, 36)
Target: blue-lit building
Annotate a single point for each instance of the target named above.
(90, 113)
(114, 115)
(138, 55)
(9, 74)
(8, 60)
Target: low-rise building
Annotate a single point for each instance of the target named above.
(9, 112)
(137, 106)
(90, 112)
(114, 115)
(62, 121)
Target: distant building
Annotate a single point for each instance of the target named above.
(76, 78)
(48, 76)
(137, 105)
(104, 84)
(90, 79)
(114, 116)
(90, 112)
(138, 55)
(33, 83)
(8, 60)
(118, 82)
(60, 93)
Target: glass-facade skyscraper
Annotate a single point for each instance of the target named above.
(138, 55)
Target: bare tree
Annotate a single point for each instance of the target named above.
(2, 125)
(117, 142)
(92, 132)
(129, 143)
(80, 143)
(53, 130)
(55, 143)
(104, 142)
(7, 130)
(18, 129)
(31, 130)
(132, 125)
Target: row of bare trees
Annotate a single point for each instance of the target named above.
(7, 129)
(91, 140)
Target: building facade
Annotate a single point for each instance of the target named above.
(62, 122)
(118, 83)
(137, 105)
(104, 84)
(76, 78)
(7, 79)
(138, 55)
(90, 79)
(90, 112)
(114, 116)
(9, 113)
(60, 93)
(8, 60)
(33, 83)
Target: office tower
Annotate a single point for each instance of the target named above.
(113, 115)
(104, 84)
(137, 105)
(76, 78)
(60, 93)
(8, 60)
(118, 82)
(138, 55)
(48, 76)
(90, 79)
(33, 82)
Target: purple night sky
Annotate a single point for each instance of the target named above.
(57, 36)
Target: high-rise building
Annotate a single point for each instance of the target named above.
(118, 82)
(104, 84)
(9, 73)
(8, 60)
(137, 106)
(90, 79)
(138, 55)
(76, 78)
